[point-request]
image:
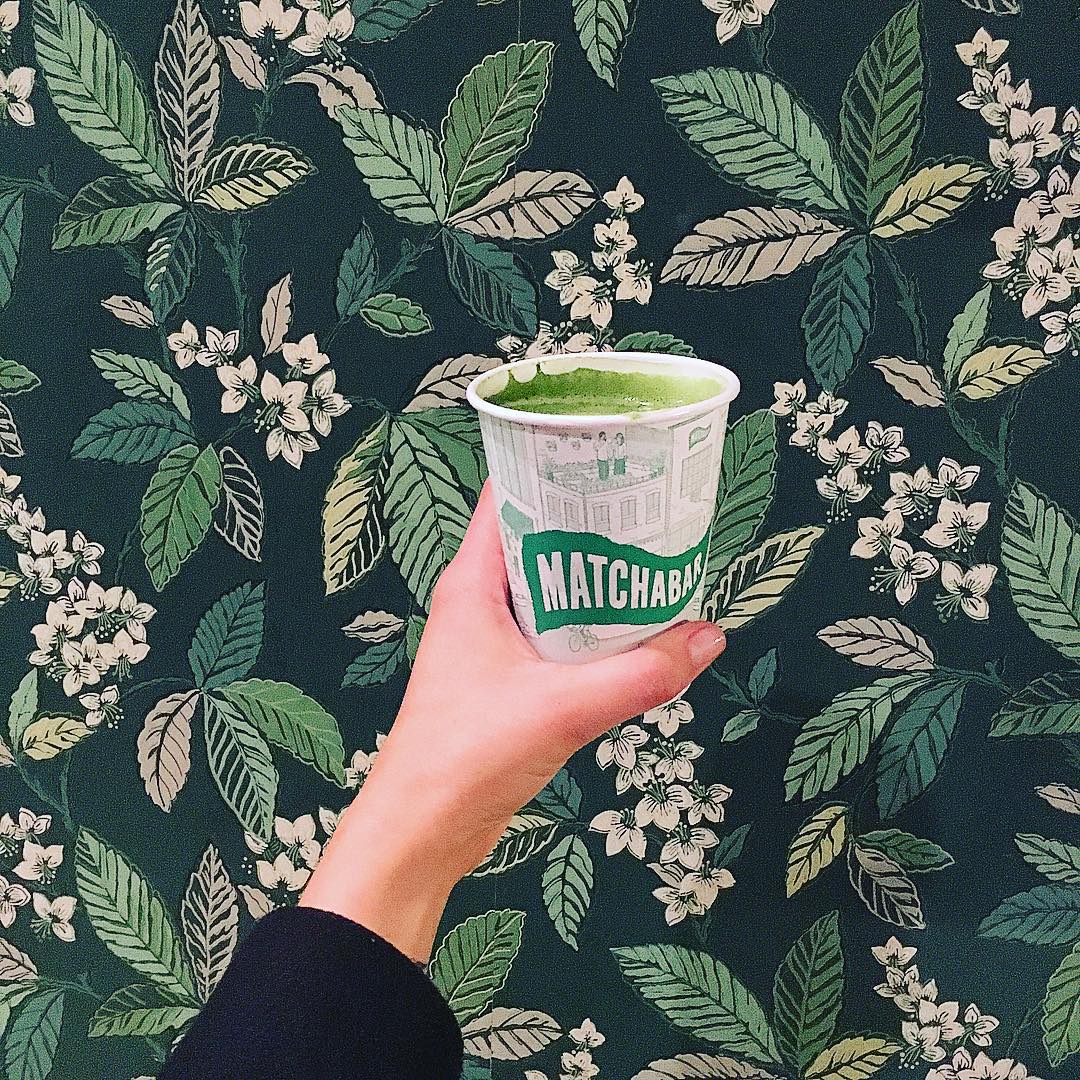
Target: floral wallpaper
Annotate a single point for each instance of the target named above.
(250, 255)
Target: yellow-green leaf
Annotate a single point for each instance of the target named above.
(9, 581)
(997, 367)
(48, 736)
(819, 840)
(927, 198)
(854, 1058)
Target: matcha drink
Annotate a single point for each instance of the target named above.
(604, 468)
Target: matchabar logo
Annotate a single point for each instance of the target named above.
(585, 579)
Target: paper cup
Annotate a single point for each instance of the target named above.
(605, 520)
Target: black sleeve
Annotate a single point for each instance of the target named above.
(310, 994)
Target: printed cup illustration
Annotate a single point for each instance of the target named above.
(605, 519)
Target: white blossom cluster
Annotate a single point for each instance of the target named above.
(852, 459)
(308, 27)
(670, 804)
(35, 863)
(577, 1062)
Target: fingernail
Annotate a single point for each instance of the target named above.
(706, 644)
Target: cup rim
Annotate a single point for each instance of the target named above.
(688, 364)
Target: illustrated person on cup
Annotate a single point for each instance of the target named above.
(603, 460)
(619, 454)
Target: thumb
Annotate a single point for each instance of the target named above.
(607, 692)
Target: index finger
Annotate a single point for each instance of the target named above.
(480, 557)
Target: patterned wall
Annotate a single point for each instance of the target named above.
(251, 253)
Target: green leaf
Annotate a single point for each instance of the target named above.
(854, 1058)
(1047, 706)
(727, 852)
(995, 368)
(915, 746)
(209, 916)
(745, 491)
(139, 378)
(11, 219)
(241, 766)
(30, 1047)
(1054, 859)
(97, 89)
(763, 675)
(129, 916)
(508, 1034)
(376, 664)
(242, 174)
(395, 316)
(697, 993)
(141, 1009)
(48, 736)
(492, 283)
(531, 204)
(1061, 1010)
(187, 79)
(911, 853)
(241, 516)
(414, 630)
(426, 511)
(654, 341)
(881, 112)
(567, 883)
(352, 527)
(290, 719)
(756, 581)
(602, 27)
(836, 741)
(9, 582)
(817, 843)
(170, 265)
(473, 961)
(884, 887)
(931, 196)
(15, 378)
(10, 443)
(1040, 550)
(12, 994)
(111, 210)
(380, 20)
(742, 723)
(562, 797)
(1045, 915)
(700, 1067)
(23, 707)
(807, 993)
(357, 274)
(177, 509)
(967, 331)
(527, 834)
(491, 119)
(399, 163)
(228, 637)
(750, 244)
(455, 432)
(839, 313)
(132, 433)
(753, 132)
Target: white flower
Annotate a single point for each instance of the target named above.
(674, 760)
(952, 478)
(842, 490)
(706, 802)
(894, 955)
(623, 829)
(1013, 162)
(912, 494)
(86, 554)
(790, 397)
(809, 427)
(55, 915)
(85, 663)
(15, 91)
(942, 1016)
(12, 896)
(31, 824)
(735, 14)
(707, 881)
(1030, 228)
(1053, 275)
(660, 805)
(979, 1025)
(908, 569)
(613, 240)
(256, 901)
(635, 281)
(966, 589)
(219, 348)
(926, 1039)
(360, 764)
(679, 901)
(281, 874)
(911, 992)
(577, 1065)
(328, 820)
(568, 268)
(185, 344)
(305, 355)
(39, 574)
(325, 402)
(298, 838)
(9, 482)
(845, 449)
(268, 17)
(321, 35)
(1063, 193)
(667, 718)
(593, 300)
(127, 653)
(1062, 330)
(620, 746)
(52, 545)
(877, 534)
(951, 1070)
(587, 1035)
(39, 863)
(688, 846)
(134, 615)
(61, 624)
(103, 707)
(1038, 127)
(982, 51)
(623, 199)
(828, 402)
(9, 15)
(957, 525)
(291, 445)
(98, 602)
(239, 382)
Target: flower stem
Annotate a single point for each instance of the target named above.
(57, 806)
(909, 301)
(1024, 1024)
(225, 436)
(125, 550)
(148, 684)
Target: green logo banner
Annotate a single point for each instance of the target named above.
(584, 579)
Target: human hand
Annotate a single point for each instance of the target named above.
(484, 725)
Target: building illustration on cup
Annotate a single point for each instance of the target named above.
(605, 520)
